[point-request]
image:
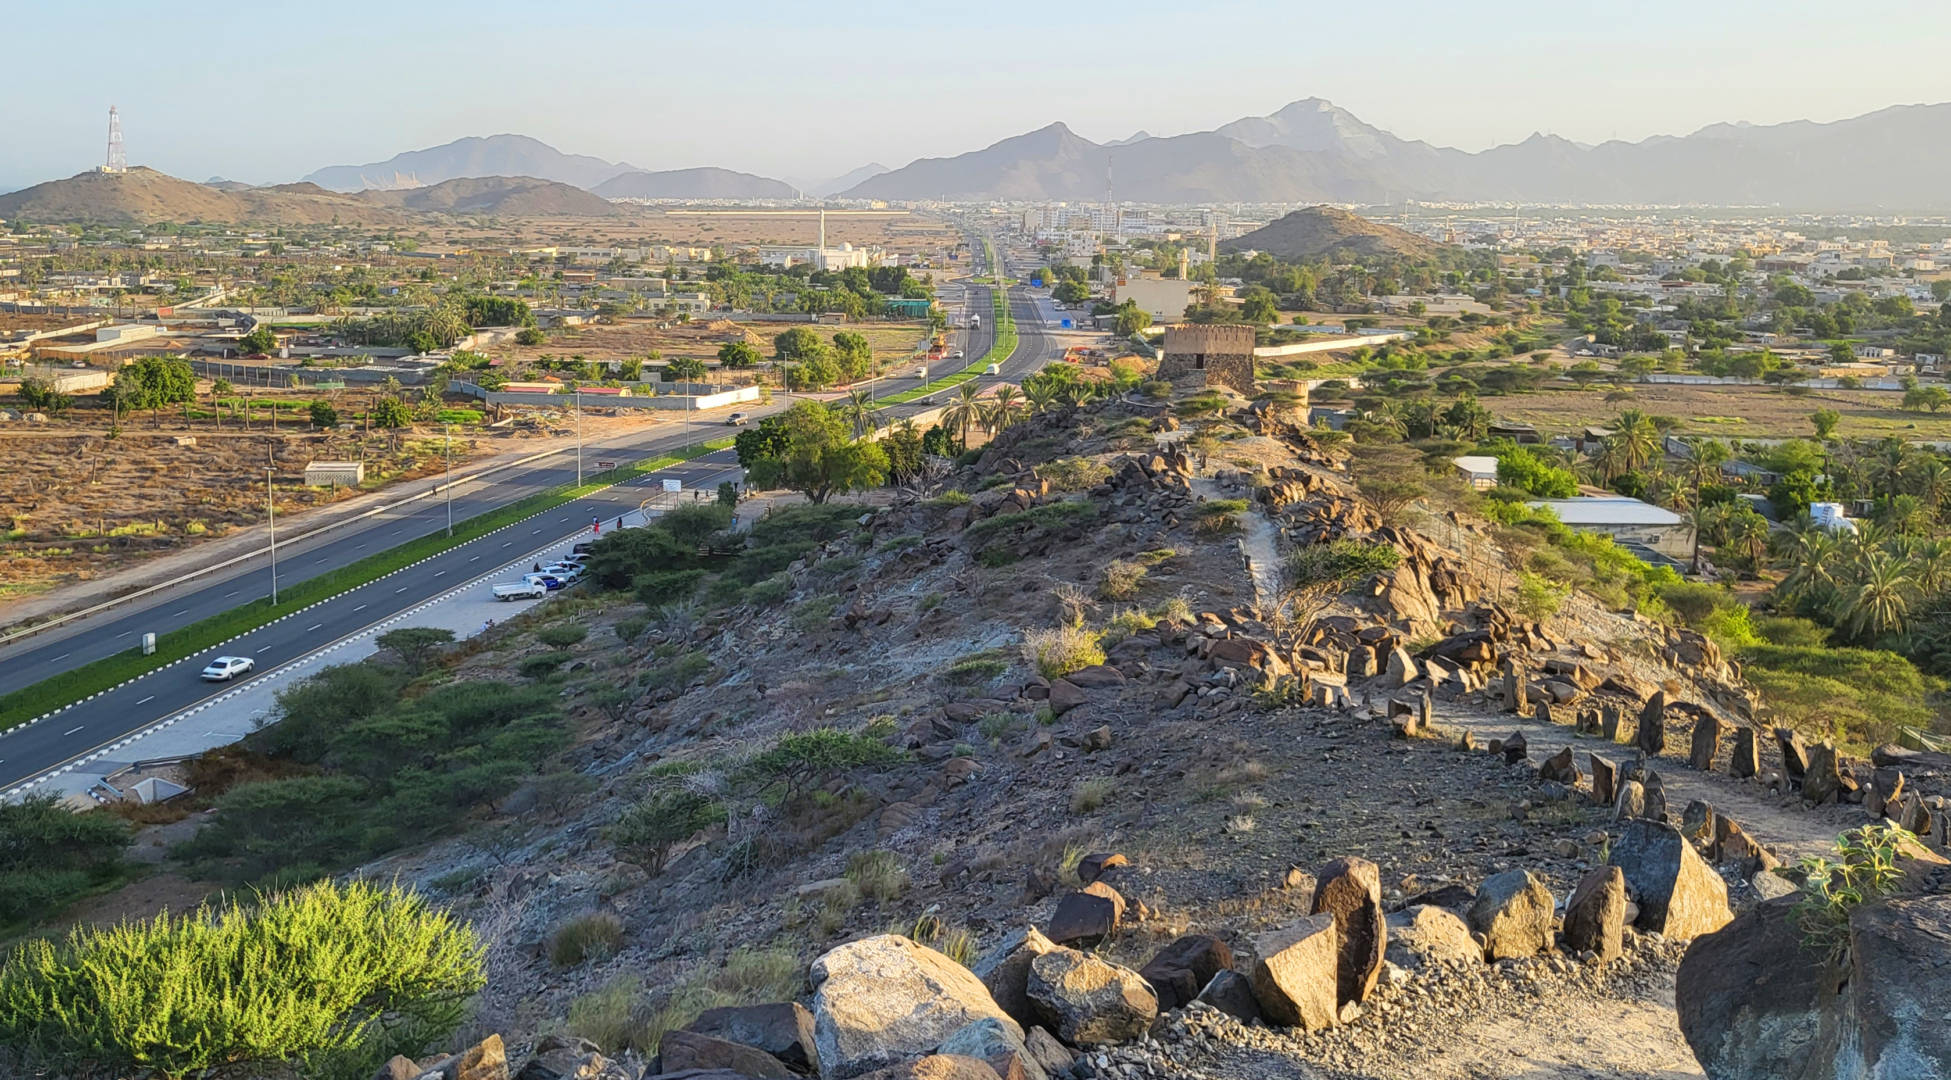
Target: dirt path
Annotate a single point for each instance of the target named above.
(1257, 546)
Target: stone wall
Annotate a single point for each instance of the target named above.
(1217, 354)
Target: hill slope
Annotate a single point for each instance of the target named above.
(512, 196)
(1325, 232)
(705, 183)
(142, 196)
(494, 155)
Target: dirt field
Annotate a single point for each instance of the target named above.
(703, 228)
(1728, 412)
(892, 341)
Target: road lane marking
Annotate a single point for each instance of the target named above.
(361, 607)
(125, 633)
(477, 558)
(174, 614)
(399, 590)
(60, 658)
(147, 700)
(313, 627)
(72, 730)
(230, 594)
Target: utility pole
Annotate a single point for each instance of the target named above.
(579, 436)
(447, 479)
(271, 507)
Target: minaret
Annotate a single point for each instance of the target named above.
(819, 260)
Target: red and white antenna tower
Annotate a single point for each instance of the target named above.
(117, 160)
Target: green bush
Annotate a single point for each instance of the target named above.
(595, 936)
(1537, 598)
(769, 592)
(50, 855)
(1325, 569)
(676, 673)
(660, 587)
(806, 760)
(561, 635)
(332, 979)
(543, 665)
(646, 833)
(1857, 697)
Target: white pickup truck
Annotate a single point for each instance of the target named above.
(521, 590)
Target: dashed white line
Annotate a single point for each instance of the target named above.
(437, 573)
(399, 590)
(60, 658)
(147, 700)
(72, 730)
(125, 633)
(313, 627)
(230, 594)
(174, 614)
(361, 607)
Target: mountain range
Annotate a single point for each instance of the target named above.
(1312, 151)
(493, 155)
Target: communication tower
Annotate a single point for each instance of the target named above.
(117, 161)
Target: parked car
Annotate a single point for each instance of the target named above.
(566, 571)
(547, 581)
(584, 547)
(522, 590)
(737, 419)
(226, 668)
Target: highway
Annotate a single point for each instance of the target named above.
(75, 732)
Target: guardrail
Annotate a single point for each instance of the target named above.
(162, 586)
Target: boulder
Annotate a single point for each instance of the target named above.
(1054, 1057)
(560, 1057)
(1096, 677)
(1294, 975)
(1088, 1002)
(1401, 669)
(1746, 761)
(1679, 895)
(485, 1060)
(1065, 696)
(783, 1029)
(1795, 755)
(1823, 781)
(1092, 866)
(1630, 804)
(1560, 768)
(935, 1067)
(1754, 1004)
(1898, 951)
(1180, 970)
(1232, 993)
(1605, 780)
(1428, 934)
(884, 999)
(1005, 971)
(1886, 790)
(1595, 915)
(1350, 889)
(681, 1050)
(1513, 911)
(989, 1040)
(1706, 742)
(399, 1067)
(1652, 725)
(1655, 797)
(1610, 719)
(1514, 748)
(1087, 916)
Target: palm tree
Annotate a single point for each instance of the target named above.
(1041, 396)
(1747, 534)
(1812, 560)
(1930, 479)
(1704, 459)
(1634, 441)
(858, 409)
(1005, 408)
(1879, 603)
(964, 411)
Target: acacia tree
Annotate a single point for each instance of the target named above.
(817, 456)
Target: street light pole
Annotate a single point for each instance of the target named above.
(579, 436)
(447, 478)
(271, 507)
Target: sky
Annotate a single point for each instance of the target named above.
(805, 91)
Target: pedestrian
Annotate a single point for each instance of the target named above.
(619, 521)
(536, 569)
(596, 526)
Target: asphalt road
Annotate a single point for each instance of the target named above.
(111, 716)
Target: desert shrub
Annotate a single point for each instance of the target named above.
(807, 760)
(1075, 473)
(1051, 516)
(660, 587)
(675, 673)
(416, 645)
(1120, 580)
(878, 875)
(632, 628)
(329, 978)
(1321, 570)
(1857, 697)
(1791, 631)
(1056, 653)
(1537, 597)
(979, 667)
(607, 1015)
(696, 523)
(1092, 794)
(595, 936)
(1834, 888)
(542, 665)
(951, 497)
(814, 613)
(1123, 624)
(49, 855)
(647, 832)
(561, 635)
(1217, 517)
(770, 592)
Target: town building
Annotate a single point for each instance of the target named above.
(1212, 354)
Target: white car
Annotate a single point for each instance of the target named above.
(564, 570)
(226, 668)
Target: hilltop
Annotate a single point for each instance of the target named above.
(143, 196)
(474, 157)
(1325, 232)
(704, 183)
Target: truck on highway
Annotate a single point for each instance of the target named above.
(521, 590)
(975, 321)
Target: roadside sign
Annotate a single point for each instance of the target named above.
(673, 485)
(604, 466)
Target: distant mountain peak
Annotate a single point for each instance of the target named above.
(472, 156)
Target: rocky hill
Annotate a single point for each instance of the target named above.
(142, 196)
(507, 196)
(1325, 232)
(694, 184)
(1103, 757)
(473, 157)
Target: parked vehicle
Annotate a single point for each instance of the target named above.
(921, 373)
(523, 590)
(736, 419)
(547, 581)
(226, 668)
(584, 547)
(566, 571)
(993, 369)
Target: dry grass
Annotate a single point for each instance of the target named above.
(1056, 653)
(1090, 795)
(1121, 580)
(878, 875)
(595, 936)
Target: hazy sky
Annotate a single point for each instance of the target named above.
(801, 91)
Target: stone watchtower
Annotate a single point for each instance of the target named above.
(1218, 354)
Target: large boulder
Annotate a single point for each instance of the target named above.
(992, 1041)
(1595, 916)
(1755, 1004)
(1087, 916)
(485, 1060)
(1427, 934)
(1087, 1001)
(1679, 895)
(1350, 889)
(1005, 970)
(1900, 951)
(1180, 970)
(932, 1067)
(1652, 725)
(1232, 993)
(884, 999)
(560, 1057)
(783, 1029)
(1513, 912)
(1295, 973)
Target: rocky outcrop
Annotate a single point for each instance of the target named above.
(681, 1050)
(883, 1000)
(1294, 975)
(783, 1029)
(1595, 915)
(1426, 934)
(1180, 970)
(1350, 890)
(1005, 971)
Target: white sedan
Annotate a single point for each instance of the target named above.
(226, 668)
